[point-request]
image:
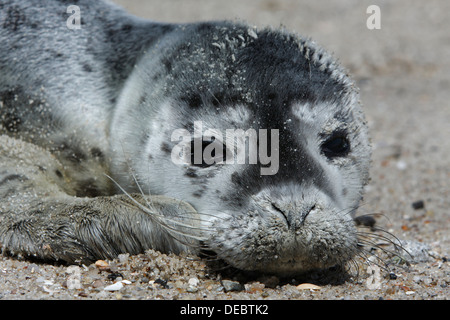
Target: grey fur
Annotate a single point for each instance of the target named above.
(81, 106)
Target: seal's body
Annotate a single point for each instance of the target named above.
(115, 107)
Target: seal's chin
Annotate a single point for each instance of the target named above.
(265, 244)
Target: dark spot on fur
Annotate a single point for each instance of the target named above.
(127, 27)
(156, 76)
(11, 122)
(143, 138)
(142, 99)
(168, 64)
(272, 96)
(235, 178)
(193, 100)
(88, 188)
(191, 173)
(87, 67)
(14, 18)
(58, 174)
(71, 153)
(97, 153)
(42, 169)
(110, 32)
(165, 147)
(188, 126)
(198, 193)
(22, 112)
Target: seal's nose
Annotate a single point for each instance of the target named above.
(293, 213)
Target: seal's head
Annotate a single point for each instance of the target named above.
(261, 131)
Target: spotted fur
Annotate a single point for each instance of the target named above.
(86, 118)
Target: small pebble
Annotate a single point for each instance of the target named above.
(193, 282)
(115, 276)
(418, 205)
(162, 283)
(308, 286)
(229, 286)
(192, 289)
(102, 265)
(98, 283)
(114, 287)
(401, 165)
(254, 287)
(33, 268)
(366, 220)
(73, 280)
(392, 276)
(123, 257)
(48, 282)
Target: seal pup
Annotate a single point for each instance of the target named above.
(103, 124)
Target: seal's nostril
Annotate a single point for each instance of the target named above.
(307, 212)
(276, 208)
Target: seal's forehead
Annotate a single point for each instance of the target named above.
(238, 114)
(322, 112)
(228, 116)
(224, 117)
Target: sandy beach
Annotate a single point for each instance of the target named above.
(403, 72)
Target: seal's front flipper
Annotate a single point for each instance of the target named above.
(86, 229)
(39, 218)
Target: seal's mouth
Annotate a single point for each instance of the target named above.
(269, 244)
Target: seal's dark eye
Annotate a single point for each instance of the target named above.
(206, 153)
(336, 146)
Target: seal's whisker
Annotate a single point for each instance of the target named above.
(386, 236)
(374, 235)
(359, 251)
(162, 220)
(373, 244)
(370, 258)
(373, 256)
(131, 171)
(396, 242)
